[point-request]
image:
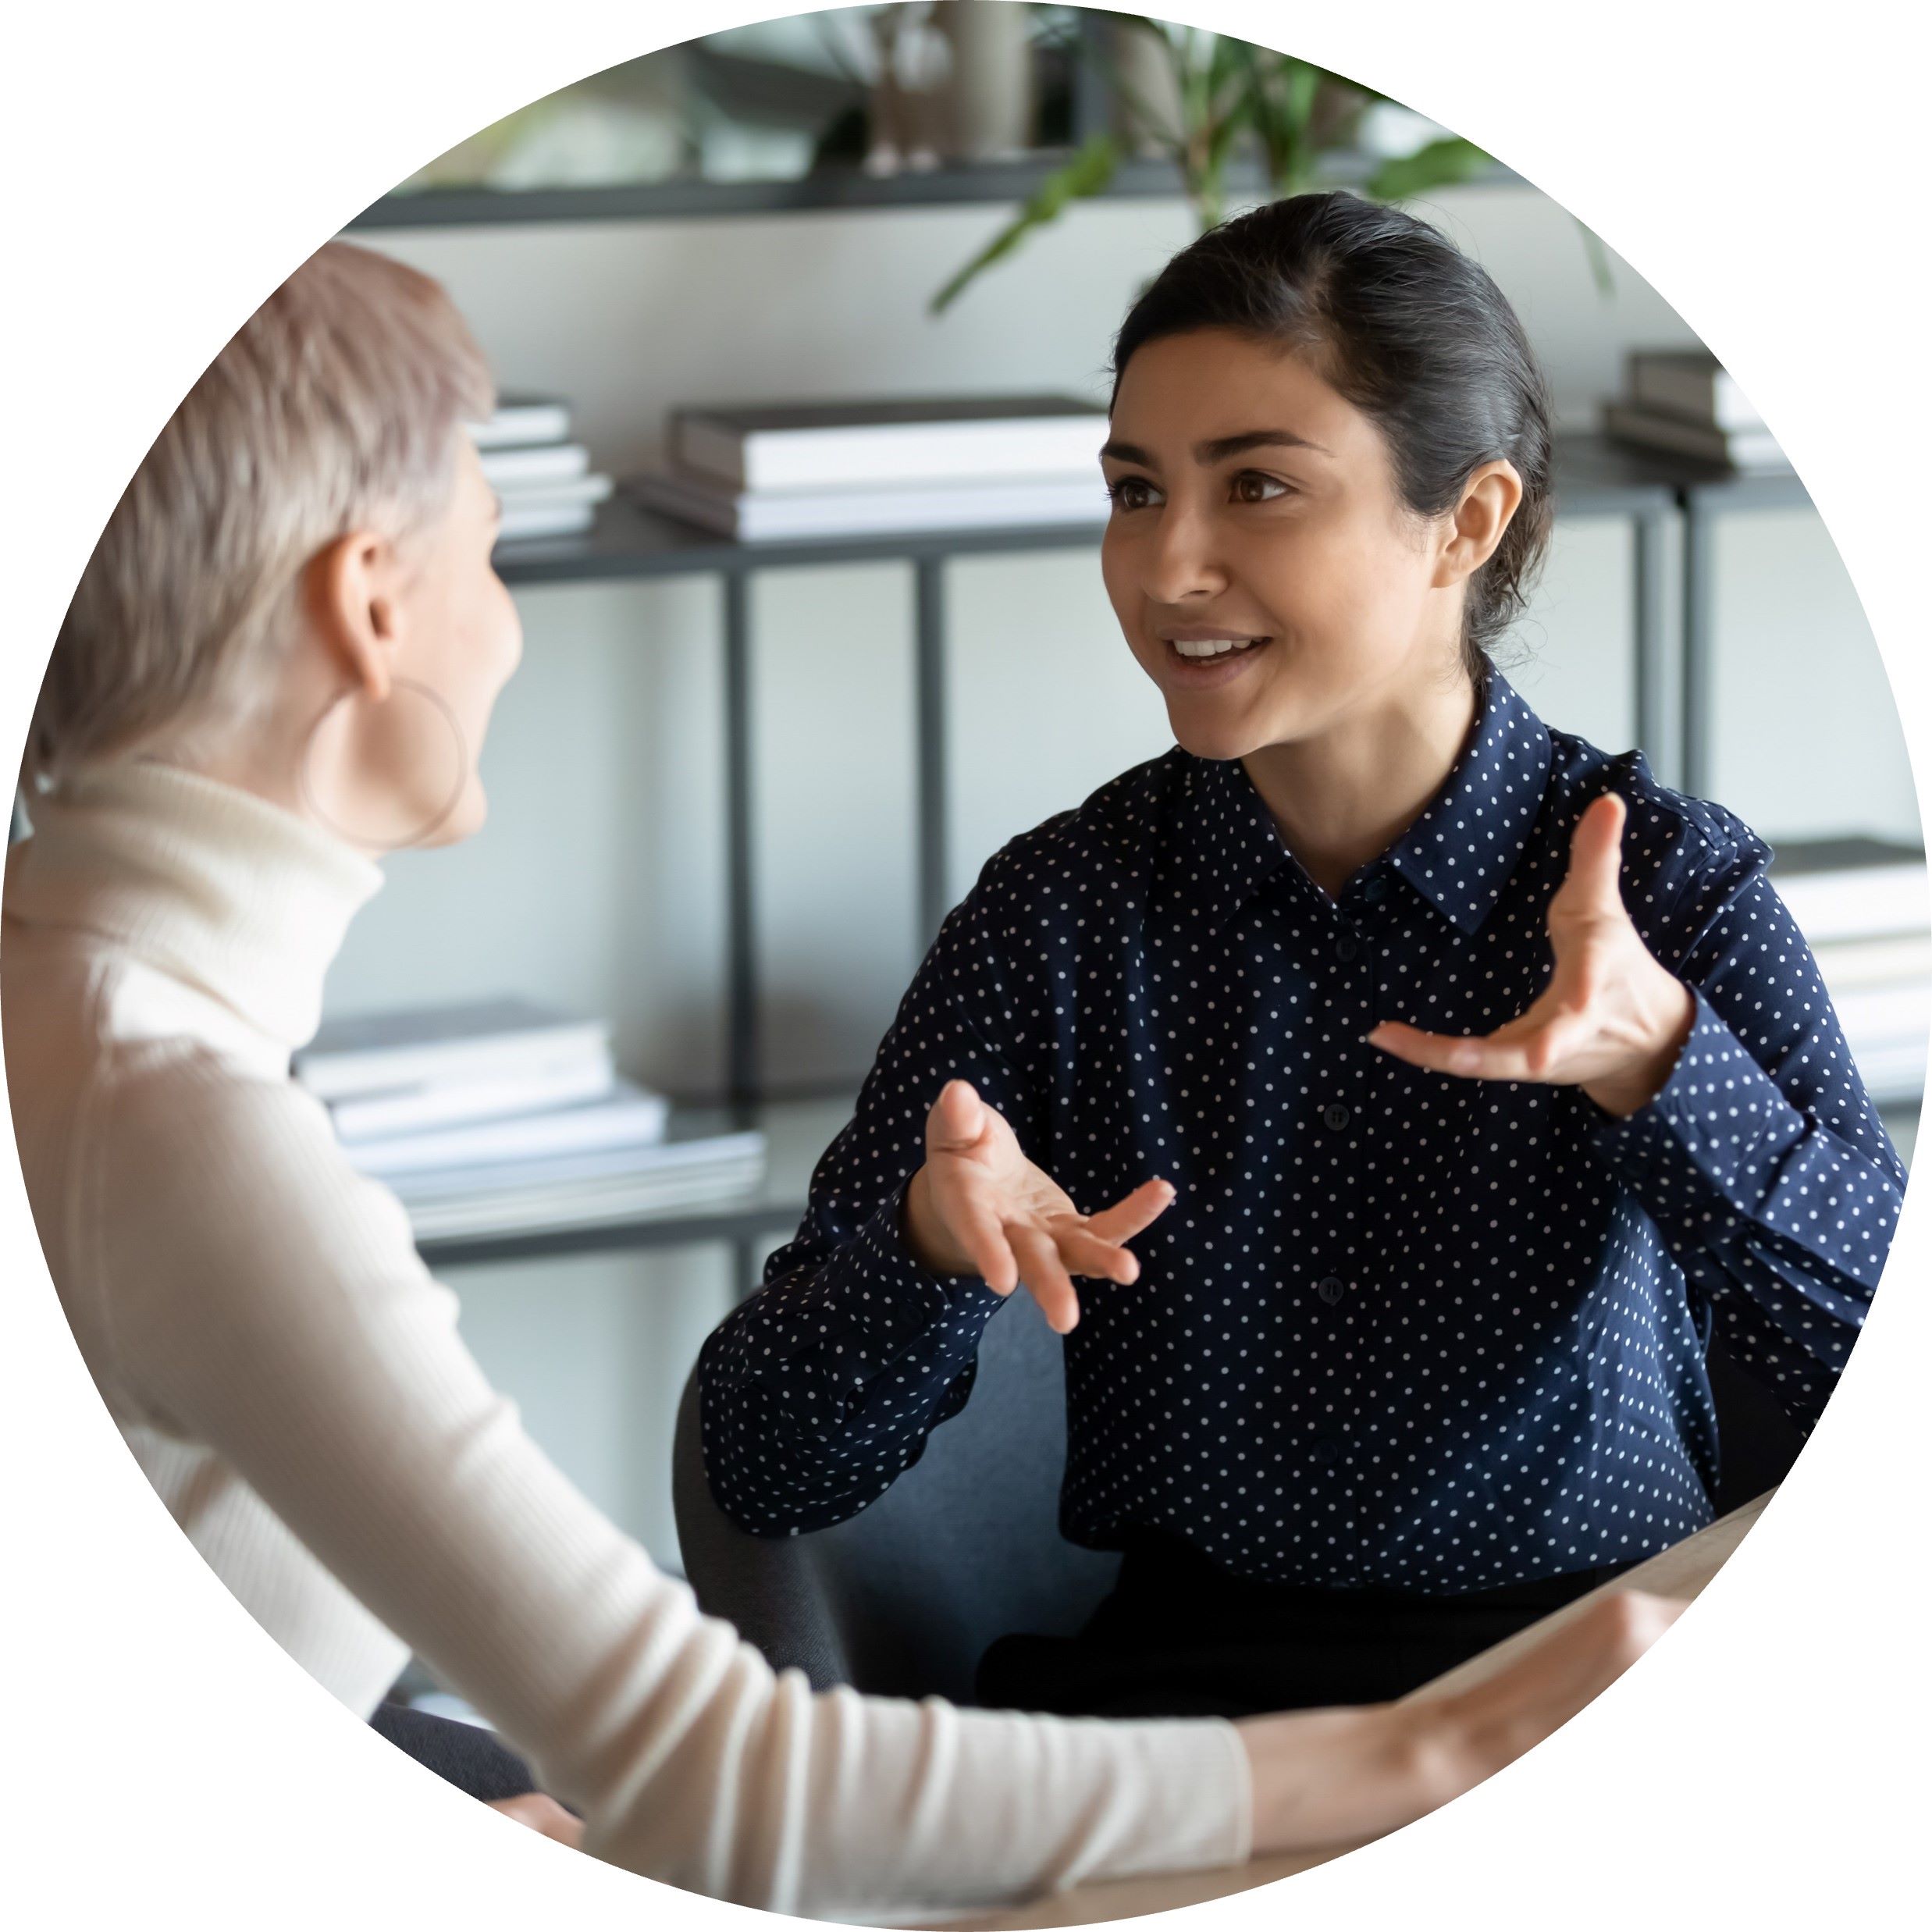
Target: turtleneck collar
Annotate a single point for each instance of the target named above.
(202, 880)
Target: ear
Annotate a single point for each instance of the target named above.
(1489, 500)
(349, 595)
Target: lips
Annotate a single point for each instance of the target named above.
(1199, 649)
(1197, 660)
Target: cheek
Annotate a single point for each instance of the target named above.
(1117, 574)
(1334, 580)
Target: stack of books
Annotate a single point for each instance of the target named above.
(544, 478)
(503, 1115)
(1685, 401)
(778, 473)
(1862, 904)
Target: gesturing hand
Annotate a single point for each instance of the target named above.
(980, 1207)
(1612, 1020)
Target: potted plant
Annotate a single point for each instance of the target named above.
(1203, 99)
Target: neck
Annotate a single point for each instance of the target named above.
(1343, 797)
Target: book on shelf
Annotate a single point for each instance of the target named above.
(879, 443)
(627, 1118)
(418, 1109)
(551, 509)
(1848, 965)
(1884, 1014)
(1893, 1071)
(583, 1190)
(767, 517)
(1755, 451)
(526, 466)
(1852, 888)
(384, 1052)
(1692, 384)
(520, 418)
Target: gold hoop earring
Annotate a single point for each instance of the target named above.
(415, 838)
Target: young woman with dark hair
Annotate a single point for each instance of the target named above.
(1458, 1079)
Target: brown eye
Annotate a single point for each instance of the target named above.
(1251, 487)
(1131, 493)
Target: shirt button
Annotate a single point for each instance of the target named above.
(1331, 1288)
(1347, 947)
(1374, 889)
(1335, 1115)
(1326, 1452)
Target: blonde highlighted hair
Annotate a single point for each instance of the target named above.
(336, 405)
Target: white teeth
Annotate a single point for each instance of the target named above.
(1211, 646)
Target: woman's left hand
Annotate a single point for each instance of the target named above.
(1612, 1020)
(543, 1816)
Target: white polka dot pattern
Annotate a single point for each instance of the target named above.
(1397, 1328)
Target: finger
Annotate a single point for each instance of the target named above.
(1596, 857)
(1133, 1213)
(1044, 1278)
(956, 1120)
(1082, 1254)
(1467, 1058)
(987, 1249)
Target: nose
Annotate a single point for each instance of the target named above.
(1180, 562)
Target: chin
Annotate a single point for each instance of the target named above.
(1216, 738)
(464, 822)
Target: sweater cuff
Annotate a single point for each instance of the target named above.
(1703, 1154)
(1199, 1787)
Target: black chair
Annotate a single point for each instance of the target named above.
(903, 1599)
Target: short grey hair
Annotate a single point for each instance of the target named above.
(338, 403)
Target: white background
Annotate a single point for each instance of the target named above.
(166, 168)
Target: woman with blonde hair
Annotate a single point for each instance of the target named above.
(281, 659)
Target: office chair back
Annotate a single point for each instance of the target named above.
(903, 1599)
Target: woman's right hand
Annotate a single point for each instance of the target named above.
(1332, 1777)
(980, 1207)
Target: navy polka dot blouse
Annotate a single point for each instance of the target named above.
(1397, 1328)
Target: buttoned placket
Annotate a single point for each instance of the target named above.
(1346, 973)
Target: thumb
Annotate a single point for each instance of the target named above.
(957, 1119)
(1597, 856)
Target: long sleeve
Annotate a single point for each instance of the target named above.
(1762, 1161)
(268, 1301)
(820, 1390)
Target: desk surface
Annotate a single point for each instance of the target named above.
(1679, 1572)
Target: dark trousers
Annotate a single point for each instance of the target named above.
(1179, 1637)
(460, 1754)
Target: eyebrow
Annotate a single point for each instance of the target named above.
(1220, 448)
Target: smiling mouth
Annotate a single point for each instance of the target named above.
(1211, 650)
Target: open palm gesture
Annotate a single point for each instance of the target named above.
(1612, 1020)
(978, 1206)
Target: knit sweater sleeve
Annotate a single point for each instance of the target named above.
(267, 1301)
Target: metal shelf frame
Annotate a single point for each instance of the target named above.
(1594, 477)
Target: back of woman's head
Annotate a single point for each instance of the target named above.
(1402, 325)
(336, 404)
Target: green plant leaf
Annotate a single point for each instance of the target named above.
(1600, 260)
(1439, 164)
(1088, 173)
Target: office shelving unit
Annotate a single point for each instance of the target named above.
(1594, 477)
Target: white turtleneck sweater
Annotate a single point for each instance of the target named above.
(290, 1378)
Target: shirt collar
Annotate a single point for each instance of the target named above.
(1458, 854)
